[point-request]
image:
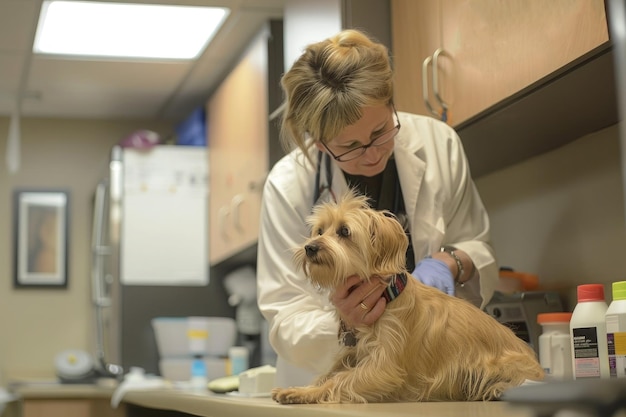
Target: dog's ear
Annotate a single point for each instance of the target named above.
(389, 243)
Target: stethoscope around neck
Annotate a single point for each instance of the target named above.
(324, 158)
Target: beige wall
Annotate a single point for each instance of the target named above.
(36, 324)
(561, 215)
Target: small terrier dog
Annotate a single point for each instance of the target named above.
(427, 346)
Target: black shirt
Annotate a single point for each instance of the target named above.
(385, 193)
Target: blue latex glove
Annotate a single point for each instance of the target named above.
(435, 273)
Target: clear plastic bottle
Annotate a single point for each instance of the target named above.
(238, 356)
(588, 332)
(555, 346)
(616, 331)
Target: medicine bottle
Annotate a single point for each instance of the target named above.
(238, 357)
(588, 333)
(555, 346)
(616, 331)
(199, 377)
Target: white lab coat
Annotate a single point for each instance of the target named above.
(442, 205)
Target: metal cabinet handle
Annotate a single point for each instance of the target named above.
(235, 208)
(438, 52)
(432, 62)
(425, 66)
(99, 248)
(222, 215)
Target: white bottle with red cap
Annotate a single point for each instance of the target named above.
(588, 332)
(616, 331)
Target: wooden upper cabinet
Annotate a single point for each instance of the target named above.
(237, 115)
(416, 34)
(491, 49)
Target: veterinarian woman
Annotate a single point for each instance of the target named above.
(340, 118)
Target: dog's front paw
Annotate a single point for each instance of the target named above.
(293, 396)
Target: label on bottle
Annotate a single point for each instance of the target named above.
(616, 343)
(586, 353)
(620, 354)
(610, 344)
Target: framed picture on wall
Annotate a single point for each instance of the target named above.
(41, 238)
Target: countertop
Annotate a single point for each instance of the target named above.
(592, 394)
(207, 404)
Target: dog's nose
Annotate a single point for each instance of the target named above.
(311, 249)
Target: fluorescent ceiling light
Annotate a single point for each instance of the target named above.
(125, 30)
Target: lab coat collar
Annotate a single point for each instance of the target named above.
(411, 166)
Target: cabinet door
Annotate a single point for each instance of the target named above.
(416, 34)
(71, 407)
(496, 48)
(238, 153)
(500, 47)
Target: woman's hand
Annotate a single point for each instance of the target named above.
(359, 302)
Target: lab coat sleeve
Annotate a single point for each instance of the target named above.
(442, 201)
(467, 226)
(302, 323)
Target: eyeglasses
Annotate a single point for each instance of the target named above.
(379, 140)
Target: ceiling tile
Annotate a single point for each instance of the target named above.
(18, 20)
(137, 88)
(10, 71)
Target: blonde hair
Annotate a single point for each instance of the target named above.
(327, 87)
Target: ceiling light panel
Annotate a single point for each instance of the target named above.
(125, 30)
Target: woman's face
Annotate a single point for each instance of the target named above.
(376, 121)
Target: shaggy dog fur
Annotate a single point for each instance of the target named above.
(427, 346)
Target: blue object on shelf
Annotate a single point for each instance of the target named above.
(198, 367)
(192, 131)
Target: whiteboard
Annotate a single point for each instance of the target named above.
(164, 216)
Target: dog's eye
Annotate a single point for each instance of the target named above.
(319, 231)
(343, 231)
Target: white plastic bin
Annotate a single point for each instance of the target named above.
(172, 336)
(179, 369)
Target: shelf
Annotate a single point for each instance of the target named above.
(574, 101)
